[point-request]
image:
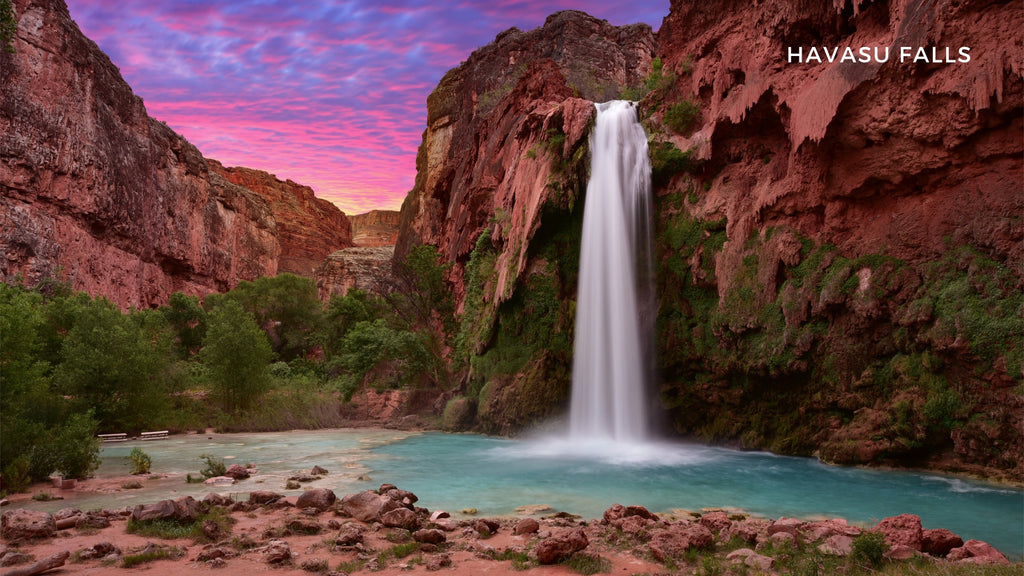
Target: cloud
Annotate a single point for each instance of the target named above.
(328, 93)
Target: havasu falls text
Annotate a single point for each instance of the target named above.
(878, 54)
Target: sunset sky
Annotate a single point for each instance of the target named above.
(328, 93)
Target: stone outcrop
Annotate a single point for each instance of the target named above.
(484, 155)
(95, 192)
(836, 209)
(309, 228)
(375, 228)
(358, 268)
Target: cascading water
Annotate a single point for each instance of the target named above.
(613, 327)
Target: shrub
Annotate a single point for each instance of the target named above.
(214, 466)
(75, 448)
(869, 548)
(139, 461)
(681, 116)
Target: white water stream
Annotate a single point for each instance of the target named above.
(609, 382)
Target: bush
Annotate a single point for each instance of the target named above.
(140, 462)
(681, 116)
(74, 447)
(214, 466)
(869, 549)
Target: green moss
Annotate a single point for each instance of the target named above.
(681, 116)
(668, 161)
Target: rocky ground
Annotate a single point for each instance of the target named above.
(384, 532)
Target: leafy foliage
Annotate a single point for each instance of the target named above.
(139, 461)
(8, 26)
(236, 353)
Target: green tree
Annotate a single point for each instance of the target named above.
(8, 26)
(114, 364)
(237, 355)
(399, 355)
(188, 321)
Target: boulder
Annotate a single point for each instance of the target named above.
(219, 481)
(617, 513)
(716, 521)
(561, 546)
(526, 526)
(214, 499)
(939, 542)
(93, 521)
(264, 497)
(904, 529)
(182, 510)
(20, 524)
(438, 514)
(276, 552)
(318, 471)
(787, 525)
(400, 518)
(303, 525)
(977, 552)
(350, 534)
(319, 498)
(99, 550)
(674, 541)
(750, 558)
(486, 526)
(429, 536)
(636, 526)
(900, 552)
(837, 545)
(237, 471)
(364, 506)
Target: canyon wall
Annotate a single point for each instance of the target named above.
(838, 244)
(375, 228)
(95, 192)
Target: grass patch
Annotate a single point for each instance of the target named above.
(588, 564)
(174, 530)
(520, 559)
(44, 497)
(150, 555)
(397, 551)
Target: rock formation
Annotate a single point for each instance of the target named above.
(358, 268)
(308, 227)
(95, 192)
(837, 242)
(375, 228)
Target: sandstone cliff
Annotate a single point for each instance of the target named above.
(94, 191)
(359, 268)
(375, 228)
(309, 228)
(838, 244)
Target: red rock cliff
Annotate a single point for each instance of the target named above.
(309, 228)
(376, 228)
(95, 191)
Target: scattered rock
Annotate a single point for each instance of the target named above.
(92, 521)
(276, 552)
(303, 525)
(237, 471)
(303, 477)
(750, 558)
(900, 552)
(787, 525)
(977, 552)
(469, 511)
(429, 536)
(526, 526)
(99, 550)
(485, 526)
(904, 529)
(717, 521)
(617, 513)
(318, 471)
(673, 542)
(350, 534)
(438, 514)
(319, 498)
(264, 497)
(400, 518)
(532, 509)
(939, 542)
(214, 499)
(438, 561)
(837, 545)
(183, 509)
(216, 553)
(219, 481)
(292, 485)
(364, 506)
(15, 558)
(561, 546)
(21, 524)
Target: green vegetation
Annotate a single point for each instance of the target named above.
(139, 461)
(268, 354)
(151, 554)
(175, 530)
(213, 466)
(8, 26)
(681, 115)
(657, 81)
(869, 549)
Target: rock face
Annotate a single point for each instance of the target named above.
(825, 219)
(359, 268)
(308, 227)
(95, 192)
(375, 228)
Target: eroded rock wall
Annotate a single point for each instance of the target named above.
(375, 228)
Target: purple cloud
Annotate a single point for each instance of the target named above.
(331, 94)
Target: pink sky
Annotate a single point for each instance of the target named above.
(328, 93)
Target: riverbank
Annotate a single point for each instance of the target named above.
(383, 532)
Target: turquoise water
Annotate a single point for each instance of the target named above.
(494, 475)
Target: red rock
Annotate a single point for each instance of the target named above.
(264, 497)
(526, 526)
(790, 526)
(977, 552)
(716, 521)
(561, 546)
(20, 524)
(939, 541)
(429, 536)
(617, 513)
(904, 530)
(319, 498)
(676, 540)
(375, 228)
(237, 471)
(364, 506)
(837, 545)
(184, 509)
(400, 518)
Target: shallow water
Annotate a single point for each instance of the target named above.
(456, 471)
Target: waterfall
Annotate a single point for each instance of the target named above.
(613, 317)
